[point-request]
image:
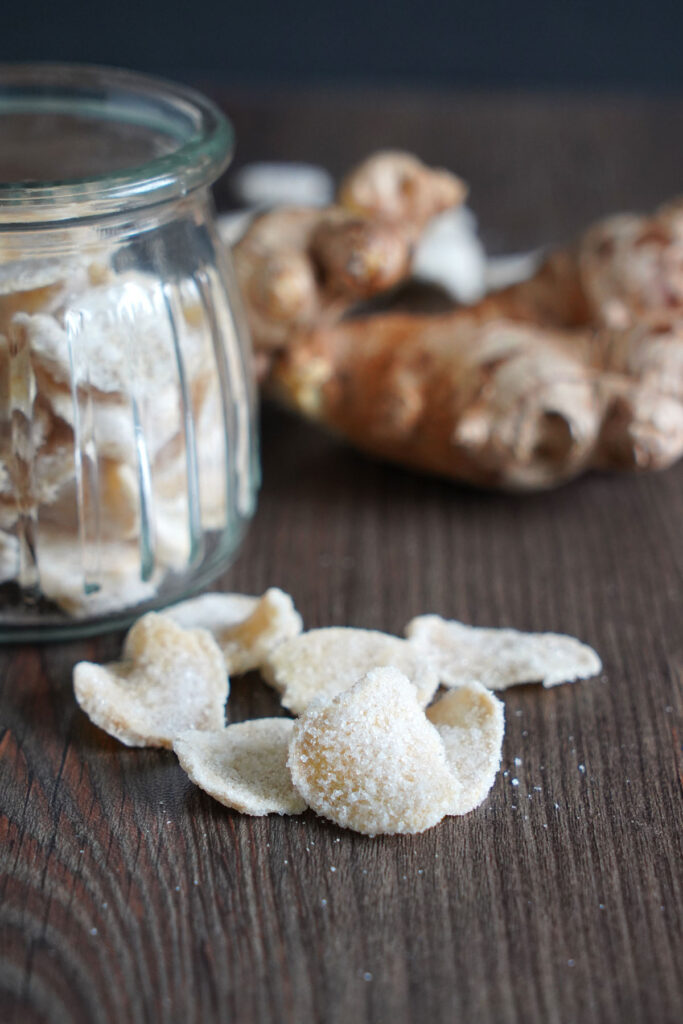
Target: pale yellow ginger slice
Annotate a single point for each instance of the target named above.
(114, 501)
(112, 359)
(243, 766)
(19, 276)
(169, 680)
(214, 612)
(247, 644)
(325, 662)
(112, 420)
(51, 468)
(248, 629)
(36, 285)
(499, 658)
(65, 567)
(369, 760)
(9, 556)
(471, 723)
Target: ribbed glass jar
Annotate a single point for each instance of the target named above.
(128, 455)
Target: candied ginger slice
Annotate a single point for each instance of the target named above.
(500, 658)
(169, 680)
(325, 662)
(243, 766)
(247, 629)
(471, 723)
(369, 760)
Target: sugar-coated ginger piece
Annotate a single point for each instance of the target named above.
(214, 612)
(36, 285)
(169, 680)
(9, 557)
(471, 723)
(113, 497)
(247, 629)
(65, 565)
(325, 662)
(369, 760)
(243, 766)
(499, 658)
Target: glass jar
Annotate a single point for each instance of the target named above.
(128, 457)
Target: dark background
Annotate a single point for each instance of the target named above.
(628, 45)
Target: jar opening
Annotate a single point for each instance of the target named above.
(80, 141)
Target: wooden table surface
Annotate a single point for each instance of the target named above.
(127, 895)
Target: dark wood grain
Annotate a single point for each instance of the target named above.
(128, 896)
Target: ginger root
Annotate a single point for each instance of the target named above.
(499, 403)
(623, 269)
(299, 267)
(579, 367)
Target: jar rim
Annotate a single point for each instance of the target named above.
(196, 135)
